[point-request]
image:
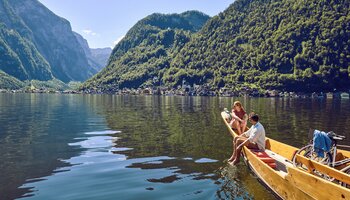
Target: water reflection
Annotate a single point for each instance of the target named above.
(127, 147)
(34, 132)
(98, 146)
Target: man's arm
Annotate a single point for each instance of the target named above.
(248, 132)
(243, 144)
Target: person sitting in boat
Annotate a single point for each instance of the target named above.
(239, 118)
(254, 138)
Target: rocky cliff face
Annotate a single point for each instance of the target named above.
(97, 58)
(39, 44)
(84, 44)
(101, 55)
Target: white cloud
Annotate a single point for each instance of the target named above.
(118, 40)
(89, 32)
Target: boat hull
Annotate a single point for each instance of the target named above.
(291, 183)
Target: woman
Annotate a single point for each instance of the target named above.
(239, 117)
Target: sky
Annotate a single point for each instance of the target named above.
(105, 22)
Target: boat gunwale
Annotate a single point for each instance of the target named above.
(260, 179)
(287, 177)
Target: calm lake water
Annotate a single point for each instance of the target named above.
(141, 147)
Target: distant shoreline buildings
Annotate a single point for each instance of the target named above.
(195, 90)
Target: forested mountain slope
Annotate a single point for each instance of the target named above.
(146, 50)
(291, 45)
(36, 44)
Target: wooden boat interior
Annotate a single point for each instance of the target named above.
(290, 182)
(281, 155)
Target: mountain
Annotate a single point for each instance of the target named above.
(10, 82)
(152, 24)
(19, 56)
(101, 56)
(290, 45)
(87, 51)
(270, 44)
(146, 50)
(37, 44)
(97, 58)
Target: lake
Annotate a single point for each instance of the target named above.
(55, 146)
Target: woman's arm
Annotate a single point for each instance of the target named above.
(245, 118)
(234, 116)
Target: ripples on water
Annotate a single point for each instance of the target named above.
(101, 172)
(132, 147)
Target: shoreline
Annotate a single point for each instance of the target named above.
(292, 95)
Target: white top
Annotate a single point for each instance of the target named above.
(256, 134)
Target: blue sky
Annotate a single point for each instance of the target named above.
(105, 22)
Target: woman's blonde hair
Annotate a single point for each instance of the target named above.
(238, 103)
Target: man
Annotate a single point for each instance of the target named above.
(254, 138)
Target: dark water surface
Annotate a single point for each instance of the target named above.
(141, 147)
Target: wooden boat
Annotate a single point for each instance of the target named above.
(289, 182)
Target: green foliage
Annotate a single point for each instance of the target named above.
(54, 84)
(20, 57)
(288, 45)
(146, 50)
(37, 44)
(271, 44)
(9, 82)
(74, 85)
